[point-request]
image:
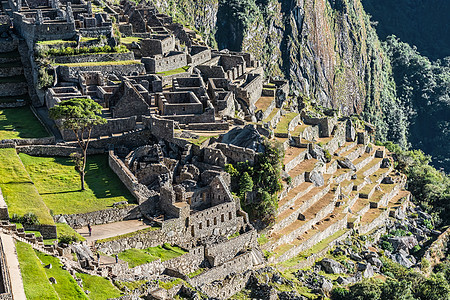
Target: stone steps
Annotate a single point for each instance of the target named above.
(293, 195)
(317, 211)
(363, 160)
(298, 173)
(328, 226)
(346, 148)
(372, 219)
(300, 205)
(354, 152)
(293, 157)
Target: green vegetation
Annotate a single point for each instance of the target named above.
(79, 115)
(196, 272)
(20, 194)
(429, 187)
(263, 178)
(101, 63)
(423, 88)
(170, 284)
(67, 51)
(136, 257)
(401, 284)
(262, 239)
(56, 42)
(283, 125)
(45, 80)
(65, 230)
(17, 123)
(99, 287)
(35, 282)
(58, 183)
(130, 39)
(175, 71)
(65, 286)
(130, 234)
(198, 141)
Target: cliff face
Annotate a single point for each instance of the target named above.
(326, 48)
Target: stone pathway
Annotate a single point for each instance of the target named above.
(13, 266)
(111, 229)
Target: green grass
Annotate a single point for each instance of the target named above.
(35, 282)
(130, 234)
(131, 285)
(283, 125)
(13, 79)
(65, 286)
(272, 115)
(200, 139)
(56, 42)
(130, 39)
(262, 239)
(137, 257)
(19, 192)
(88, 39)
(59, 184)
(175, 71)
(196, 272)
(170, 284)
(101, 63)
(64, 229)
(20, 123)
(99, 287)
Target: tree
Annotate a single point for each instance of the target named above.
(245, 185)
(80, 116)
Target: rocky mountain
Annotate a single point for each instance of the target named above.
(328, 49)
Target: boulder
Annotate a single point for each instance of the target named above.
(388, 180)
(355, 256)
(350, 132)
(368, 272)
(346, 164)
(376, 262)
(385, 163)
(332, 267)
(49, 266)
(52, 280)
(316, 178)
(316, 152)
(403, 242)
(342, 281)
(402, 259)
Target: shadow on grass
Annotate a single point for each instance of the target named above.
(103, 181)
(65, 192)
(22, 121)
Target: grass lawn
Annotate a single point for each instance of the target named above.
(283, 125)
(101, 63)
(201, 139)
(173, 72)
(17, 123)
(136, 257)
(19, 192)
(130, 39)
(59, 184)
(64, 229)
(56, 42)
(99, 287)
(66, 287)
(35, 282)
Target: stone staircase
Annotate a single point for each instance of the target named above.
(324, 200)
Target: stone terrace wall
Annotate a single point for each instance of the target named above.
(226, 288)
(117, 125)
(13, 88)
(237, 265)
(218, 254)
(236, 154)
(110, 215)
(140, 240)
(140, 191)
(93, 57)
(70, 73)
(188, 262)
(53, 150)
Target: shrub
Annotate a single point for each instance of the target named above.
(27, 219)
(385, 245)
(339, 293)
(45, 80)
(67, 239)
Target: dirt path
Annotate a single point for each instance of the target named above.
(111, 229)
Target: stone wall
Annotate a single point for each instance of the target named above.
(199, 55)
(325, 124)
(53, 150)
(70, 73)
(110, 215)
(237, 265)
(161, 128)
(13, 88)
(11, 71)
(70, 59)
(96, 31)
(218, 254)
(228, 287)
(187, 263)
(140, 191)
(3, 208)
(36, 141)
(158, 64)
(237, 154)
(113, 126)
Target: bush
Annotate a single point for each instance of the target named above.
(45, 80)
(339, 293)
(27, 219)
(67, 239)
(385, 245)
